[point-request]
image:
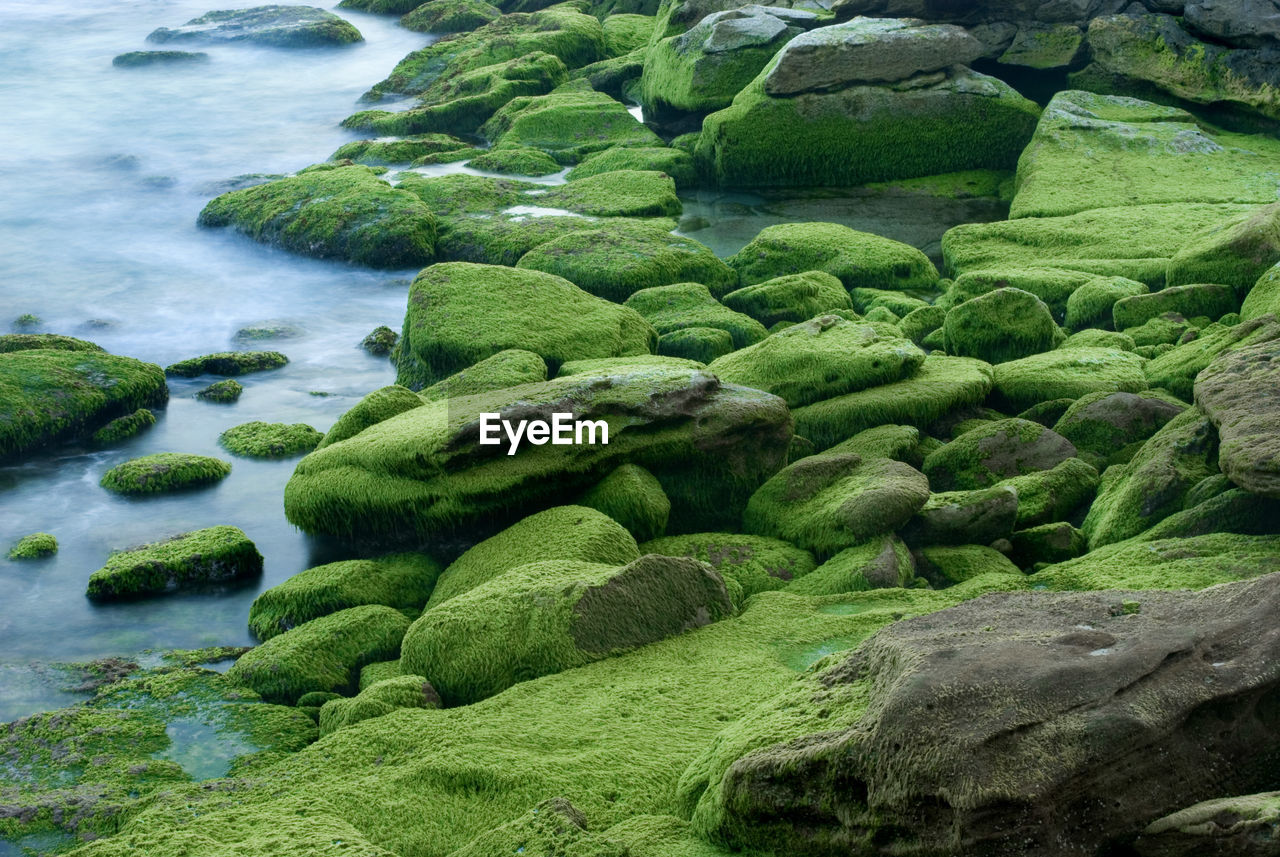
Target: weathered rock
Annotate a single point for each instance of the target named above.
(748, 564)
(1111, 426)
(964, 517)
(1056, 724)
(1244, 826)
(882, 562)
(1254, 23)
(1240, 392)
(858, 259)
(993, 452)
(1236, 252)
(278, 26)
(209, 556)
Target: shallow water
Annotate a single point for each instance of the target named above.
(101, 178)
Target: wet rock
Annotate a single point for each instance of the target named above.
(213, 555)
(883, 562)
(269, 440)
(277, 26)
(224, 392)
(1252, 23)
(163, 472)
(380, 341)
(1240, 393)
(1236, 252)
(139, 59)
(1243, 826)
(1111, 427)
(123, 428)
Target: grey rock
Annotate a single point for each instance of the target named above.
(277, 26)
(1044, 45)
(1246, 23)
(1240, 392)
(731, 33)
(983, 11)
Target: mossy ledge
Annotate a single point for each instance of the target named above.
(210, 556)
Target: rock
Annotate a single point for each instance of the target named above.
(379, 698)
(921, 322)
(1246, 826)
(859, 259)
(449, 16)
(269, 440)
(1264, 297)
(1005, 324)
(123, 428)
(1194, 301)
(867, 50)
(995, 451)
(1152, 486)
(1039, 687)
(1236, 252)
(227, 363)
(54, 394)
(277, 26)
(938, 122)
(901, 443)
(1092, 304)
(382, 404)
(882, 562)
(223, 392)
(748, 564)
(339, 212)
(1045, 496)
(1044, 46)
(516, 160)
(1193, 562)
(325, 654)
(1250, 23)
(34, 546)
(632, 497)
(1111, 427)
(403, 581)
(380, 341)
(673, 162)
(549, 616)
(701, 344)
(424, 473)
(821, 359)
(1232, 511)
(825, 503)
(563, 532)
(509, 368)
(941, 385)
(945, 566)
(402, 151)
(1065, 374)
(1240, 393)
(139, 59)
(964, 517)
(569, 123)
(621, 193)
(1176, 369)
(460, 313)
(213, 555)
(163, 472)
(1047, 543)
(682, 305)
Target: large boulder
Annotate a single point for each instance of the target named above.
(460, 313)
(1067, 373)
(995, 451)
(1046, 723)
(858, 259)
(425, 472)
(277, 26)
(791, 297)
(215, 555)
(1176, 370)
(1004, 324)
(550, 616)
(1240, 393)
(1109, 428)
(1237, 22)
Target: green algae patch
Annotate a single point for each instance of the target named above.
(11, 342)
(826, 503)
(615, 260)
(345, 213)
(123, 428)
(509, 368)
(947, 565)
(821, 359)
(1054, 286)
(1066, 374)
(402, 151)
(568, 123)
(638, 363)
(1178, 563)
(324, 654)
(684, 305)
(1176, 369)
(748, 564)
(858, 259)
(164, 471)
(941, 385)
(227, 363)
(381, 404)
(634, 498)
(402, 581)
(460, 313)
(1235, 252)
(550, 616)
(878, 563)
(675, 163)
(378, 699)
(208, 556)
(34, 546)
(49, 395)
(573, 533)
(621, 193)
(449, 16)
(1001, 325)
(516, 160)
(791, 298)
(269, 440)
(1092, 304)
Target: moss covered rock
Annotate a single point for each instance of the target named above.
(1002, 325)
(402, 581)
(1056, 494)
(682, 305)
(11, 342)
(270, 440)
(379, 698)
(1054, 286)
(343, 213)
(227, 363)
(424, 471)
(123, 428)
(790, 298)
(401, 151)
(947, 565)
(1264, 297)
(568, 123)
(825, 503)
(901, 443)
(325, 654)
(1192, 301)
(223, 392)
(993, 452)
(550, 616)
(1239, 392)
(48, 395)
(701, 344)
(964, 517)
(276, 26)
(1220, 824)
(516, 160)
(164, 471)
(859, 259)
(1066, 374)
(213, 555)
(674, 162)
(460, 313)
(509, 368)
(878, 563)
(1110, 427)
(621, 193)
(1180, 563)
(142, 59)
(34, 546)
(632, 497)
(820, 359)
(748, 564)
(1176, 369)
(381, 404)
(1235, 252)
(449, 16)
(1091, 305)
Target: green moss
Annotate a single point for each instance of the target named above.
(396, 151)
(941, 385)
(379, 405)
(380, 341)
(748, 564)
(325, 654)
(864, 134)
(1176, 369)
(1135, 242)
(822, 359)
(402, 581)
(621, 193)
(606, 365)
(624, 33)
(467, 194)
(618, 259)
(370, 674)
(460, 313)
(516, 160)
(631, 496)
(163, 472)
(142, 59)
(376, 700)
(790, 298)
(901, 443)
(1091, 304)
(1191, 301)
(1047, 543)
(859, 259)
(449, 16)
(1002, 325)
(698, 344)
(212, 555)
(947, 565)
(1167, 329)
(1066, 374)
(683, 305)
(1045, 496)
(11, 342)
(1054, 286)
(1235, 252)
(272, 25)
(269, 440)
(681, 75)
(1109, 428)
(382, 7)
(223, 392)
(345, 213)
(675, 163)
(1264, 297)
(994, 451)
(900, 304)
(1190, 563)
(568, 123)
(564, 532)
(549, 616)
(877, 563)
(48, 395)
(123, 428)
(34, 546)
(509, 368)
(227, 363)
(826, 503)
